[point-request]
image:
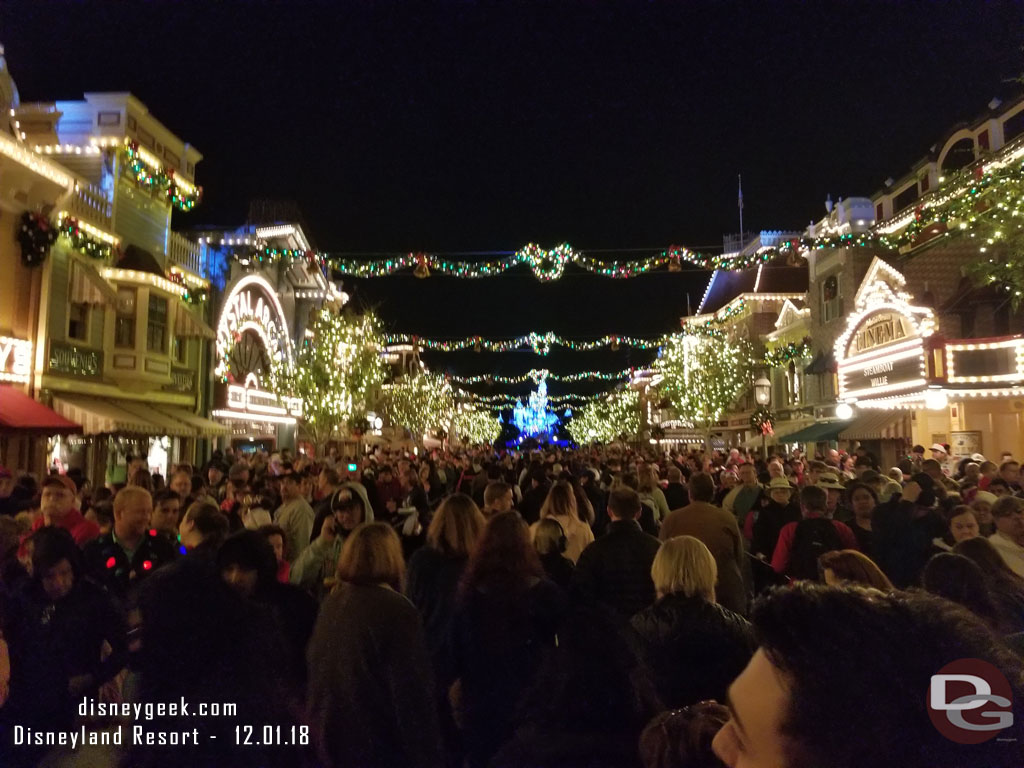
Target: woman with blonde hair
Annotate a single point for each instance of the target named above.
(369, 672)
(650, 490)
(694, 647)
(560, 505)
(435, 569)
(848, 566)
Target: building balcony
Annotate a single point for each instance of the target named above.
(89, 204)
(184, 254)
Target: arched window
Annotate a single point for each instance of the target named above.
(959, 155)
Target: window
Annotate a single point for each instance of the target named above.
(180, 348)
(792, 384)
(124, 327)
(156, 331)
(831, 299)
(78, 321)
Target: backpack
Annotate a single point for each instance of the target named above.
(813, 537)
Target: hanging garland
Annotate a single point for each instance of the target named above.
(35, 237)
(81, 241)
(191, 295)
(159, 180)
(533, 375)
(781, 356)
(540, 343)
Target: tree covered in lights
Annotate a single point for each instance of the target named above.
(474, 427)
(703, 374)
(604, 421)
(338, 373)
(422, 403)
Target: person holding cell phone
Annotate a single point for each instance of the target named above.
(314, 569)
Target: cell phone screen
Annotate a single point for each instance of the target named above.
(352, 467)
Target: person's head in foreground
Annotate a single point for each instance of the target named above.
(681, 738)
(841, 680)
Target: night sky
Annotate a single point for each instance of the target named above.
(473, 127)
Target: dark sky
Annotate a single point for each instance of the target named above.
(470, 126)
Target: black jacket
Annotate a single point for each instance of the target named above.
(676, 495)
(432, 585)
(371, 694)
(694, 649)
(107, 563)
(770, 520)
(903, 540)
(559, 569)
(52, 642)
(498, 642)
(616, 568)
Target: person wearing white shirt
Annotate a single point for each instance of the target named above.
(1008, 515)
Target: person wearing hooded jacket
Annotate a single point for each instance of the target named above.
(314, 569)
(247, 563)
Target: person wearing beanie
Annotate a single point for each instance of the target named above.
(904, 528)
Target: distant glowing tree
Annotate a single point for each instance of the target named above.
(608, 419)
(703, 374)
(473, 427)
(422, 403)
(337, 372)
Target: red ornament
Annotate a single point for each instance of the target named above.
(111, 562)
(147, 565)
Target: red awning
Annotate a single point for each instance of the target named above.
(20, 413)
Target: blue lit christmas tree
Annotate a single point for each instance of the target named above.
(535, 419)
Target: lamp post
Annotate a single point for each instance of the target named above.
(763, 397)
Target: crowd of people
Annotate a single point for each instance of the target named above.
(594, 607)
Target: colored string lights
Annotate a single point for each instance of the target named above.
(534, 375)
(540, 343)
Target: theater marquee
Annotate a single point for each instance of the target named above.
(882, 354)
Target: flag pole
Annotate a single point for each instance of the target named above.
(739, 182)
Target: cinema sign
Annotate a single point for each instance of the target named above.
(881, 353)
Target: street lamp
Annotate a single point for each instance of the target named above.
(763, 396)
(762, 391)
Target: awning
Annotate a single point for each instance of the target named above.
(117, 416)
(20, 414)
(204, 427)
(818, 433)
(188, 324)
(878, 425)
(88, 285)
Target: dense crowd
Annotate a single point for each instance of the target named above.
(600, 607)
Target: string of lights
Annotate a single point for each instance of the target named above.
(535, 375)
(540, 343)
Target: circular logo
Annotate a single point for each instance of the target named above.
(970, 701)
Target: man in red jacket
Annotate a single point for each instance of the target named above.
(57, 505)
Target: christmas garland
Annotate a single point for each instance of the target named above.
(159, 180)
(783, 355)
(82, 241)
(540, 343)
(534, 375)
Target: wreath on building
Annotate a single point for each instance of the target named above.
(35, 237)
(763, 420)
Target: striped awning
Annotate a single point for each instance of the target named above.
(99, 416)
(88, 286)
(188, 324)
(203, 426)
(878, 425)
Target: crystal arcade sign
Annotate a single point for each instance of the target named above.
(880, 356)
(252, 305)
